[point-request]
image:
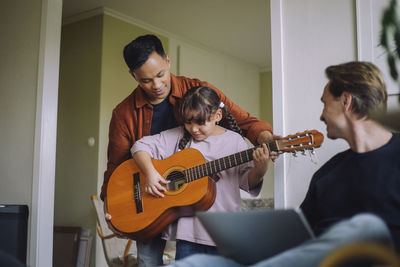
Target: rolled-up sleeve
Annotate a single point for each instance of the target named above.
(120, 141)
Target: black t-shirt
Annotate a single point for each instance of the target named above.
(352, 183)
(163, 117)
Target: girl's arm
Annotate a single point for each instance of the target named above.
(159, 146)
(261, 160)
(155, 183)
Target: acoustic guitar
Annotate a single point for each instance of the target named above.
(141, 216)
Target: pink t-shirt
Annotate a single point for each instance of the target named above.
(165, 144)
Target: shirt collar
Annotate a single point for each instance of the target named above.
(176, 87)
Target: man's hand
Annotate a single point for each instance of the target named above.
(265, 137)
(108, 218)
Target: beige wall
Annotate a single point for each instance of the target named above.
(238, 80)
(28, 106)
(19, 50)
(78, 113)
(265, 102)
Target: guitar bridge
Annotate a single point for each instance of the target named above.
(137, 193)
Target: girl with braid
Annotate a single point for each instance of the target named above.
(201, 112)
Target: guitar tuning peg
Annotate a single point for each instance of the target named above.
(294, 154)
(313, 156)
(303, 152)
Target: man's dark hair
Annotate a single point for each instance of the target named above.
(363, 80)
(138, 51)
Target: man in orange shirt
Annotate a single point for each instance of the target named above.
(152, 108)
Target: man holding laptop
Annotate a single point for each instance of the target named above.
(363, 179)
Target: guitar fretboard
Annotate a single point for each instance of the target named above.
(224, 163)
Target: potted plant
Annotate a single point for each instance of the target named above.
(390, 41)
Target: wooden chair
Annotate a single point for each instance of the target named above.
(117, 251)
(362, 254)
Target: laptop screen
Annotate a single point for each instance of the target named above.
(251, 236)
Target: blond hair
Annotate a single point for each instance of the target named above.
(363, 80)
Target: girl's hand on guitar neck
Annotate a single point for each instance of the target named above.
(266, 137)
(274, 155)
(261, 159)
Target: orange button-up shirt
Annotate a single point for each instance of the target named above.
(131, 120)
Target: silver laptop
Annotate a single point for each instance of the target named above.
(251, 236)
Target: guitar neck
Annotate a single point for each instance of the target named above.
(307, 140)
(224, 163)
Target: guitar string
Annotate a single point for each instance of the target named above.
(208, 165)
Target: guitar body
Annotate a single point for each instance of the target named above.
(141, 216)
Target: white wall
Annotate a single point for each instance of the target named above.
(314, 34)
(28, 107)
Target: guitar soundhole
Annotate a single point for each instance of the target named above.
(177, 179)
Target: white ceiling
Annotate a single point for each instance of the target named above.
(238, 28)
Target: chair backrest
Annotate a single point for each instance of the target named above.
(114, 248)
(362, 254)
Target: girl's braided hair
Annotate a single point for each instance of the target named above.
(198, 105)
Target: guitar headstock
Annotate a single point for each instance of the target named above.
(307, 140)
